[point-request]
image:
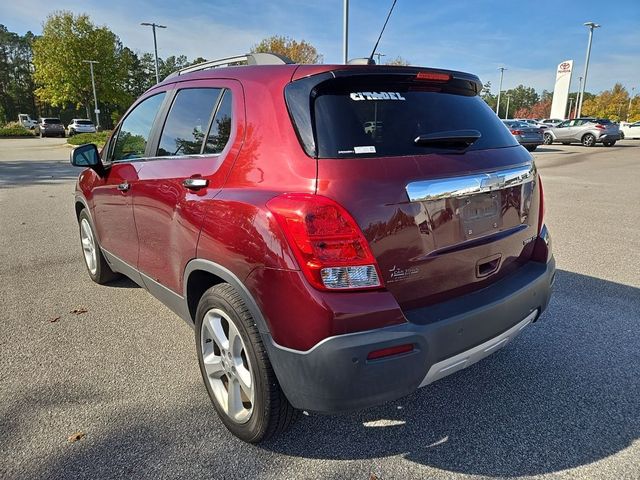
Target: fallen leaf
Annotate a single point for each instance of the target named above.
(76, 436)
(54, 320)
(373, 477)
(79, 311)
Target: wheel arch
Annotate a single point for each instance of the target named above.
(201, 274)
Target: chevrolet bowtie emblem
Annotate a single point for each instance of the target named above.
(492, 181)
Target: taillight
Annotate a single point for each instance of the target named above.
(433, 76)
(327, 242)
(517, 132)
(541, 209)
(601, 127)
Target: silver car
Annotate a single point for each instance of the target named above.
(587, 131)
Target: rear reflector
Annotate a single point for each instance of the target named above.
(390, 351)
(433, 76)
(541, 211)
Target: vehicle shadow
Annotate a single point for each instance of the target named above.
(31, 172)
(562, 395)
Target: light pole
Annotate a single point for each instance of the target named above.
(630, 100)
(345, 32)
(575, 111)
(379, 55)
(155, 44)
(591, 26)
(502, 69)
(506, 114)
(95, 97)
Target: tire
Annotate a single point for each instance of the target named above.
(71, 133)
(588, 140)
(94, 260)
(531, 148)
(621, 135)
(609, 144)
(547, 139)
(263, 411)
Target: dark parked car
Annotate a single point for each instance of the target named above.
(50, 127)
(324, 265)
(528, 136)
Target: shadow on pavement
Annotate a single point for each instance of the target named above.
(31, 172)
(564, 394)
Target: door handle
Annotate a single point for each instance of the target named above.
(195, 183)
(123, 187)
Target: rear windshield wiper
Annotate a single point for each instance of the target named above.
(458, 139)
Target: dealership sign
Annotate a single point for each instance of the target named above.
(561, 89)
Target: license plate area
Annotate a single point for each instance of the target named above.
(480, 215)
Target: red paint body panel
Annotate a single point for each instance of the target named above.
(168, 215)
(159, 225)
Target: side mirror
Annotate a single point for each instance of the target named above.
(86, 156)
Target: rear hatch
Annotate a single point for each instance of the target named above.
(444, 194)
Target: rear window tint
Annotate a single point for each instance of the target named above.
(53, 121)
(84, 122)
(363, 116)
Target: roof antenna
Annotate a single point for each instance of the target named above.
(381, 32)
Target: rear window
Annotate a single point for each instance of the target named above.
(84, 122)
(366, 116)
(54, 121)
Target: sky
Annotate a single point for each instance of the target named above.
(528, 38)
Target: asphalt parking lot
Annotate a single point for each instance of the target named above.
(562, 401)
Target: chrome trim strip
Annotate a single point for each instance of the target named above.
(439, 189)
(469, 357)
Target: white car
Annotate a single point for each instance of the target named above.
(26, 121)
(81, 125)
(630, 130)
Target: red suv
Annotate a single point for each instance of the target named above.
(337, 235)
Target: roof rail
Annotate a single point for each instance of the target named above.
(248, 59)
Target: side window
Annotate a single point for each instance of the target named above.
(136, 128)
(187, 122)
(220, 130)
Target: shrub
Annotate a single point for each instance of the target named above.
(98, 138)
(15, 129)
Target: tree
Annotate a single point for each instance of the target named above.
(61, 73)
(402, 62)
(299, 52)
(541, 109)
(16, 78)
(487, 96)
(521, 97)
(612, 104)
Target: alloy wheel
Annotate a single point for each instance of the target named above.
(227, 365)
(88, 246)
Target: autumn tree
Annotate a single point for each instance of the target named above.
(298, 51)
(399, 61)
(541, 109)
(612, 104)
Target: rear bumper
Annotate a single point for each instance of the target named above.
(609, 137)
(335, 374)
